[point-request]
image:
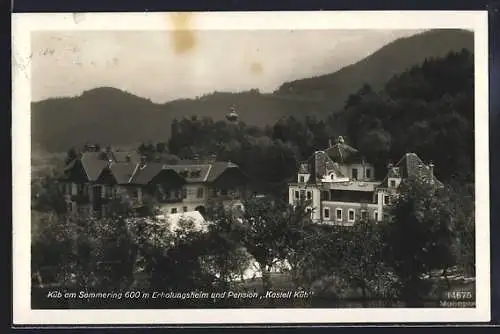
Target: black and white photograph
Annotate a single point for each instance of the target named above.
(258, 167)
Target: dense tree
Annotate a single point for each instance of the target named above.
(428, 109)
(303, 240)
(362, 260)
(418, 237)
(47, 194)
(228, 257)
(461, 199)
(264, 235)
(171, 257)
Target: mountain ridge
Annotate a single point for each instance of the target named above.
(95, 112)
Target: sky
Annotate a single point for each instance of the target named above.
(164, 66)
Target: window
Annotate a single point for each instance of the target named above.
(326, 213)
(296, 194)
(184, 193)
(386, 200)
(302, 179)
(354, 173)
(309, 195)
(309, 210)
(174, 210)
(302, 194)
(368, 173)
(223, 192)
(199, 193)
(184, 208)
(338, 214)
(351, 217)
(393, 184)
(364, 215)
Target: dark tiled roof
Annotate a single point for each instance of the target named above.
(394, 172)
(121, 156)
(123, 171)
(70, 165)
(192, 173)
(135, 173)
(320, 164)
(218, 168)
(93, 164)
(144, 174)
(410, 166)
(343, 153)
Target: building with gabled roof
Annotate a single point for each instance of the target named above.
(340, 185)
(94, 178)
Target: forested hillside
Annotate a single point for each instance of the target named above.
(111, 116)
(428, 110)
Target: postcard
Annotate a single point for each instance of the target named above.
(250, 168)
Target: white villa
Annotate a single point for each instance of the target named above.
(341, 187)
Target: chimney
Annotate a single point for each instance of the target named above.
(144, 160)
(341, 140)
(431, 167)
(389, 165)
(329, 143)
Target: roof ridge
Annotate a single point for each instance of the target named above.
(401, 159)
(133, 173)
(208, 173)
(84, 169)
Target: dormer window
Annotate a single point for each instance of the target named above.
(393, 183)
(196, 173)
(301, 179)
